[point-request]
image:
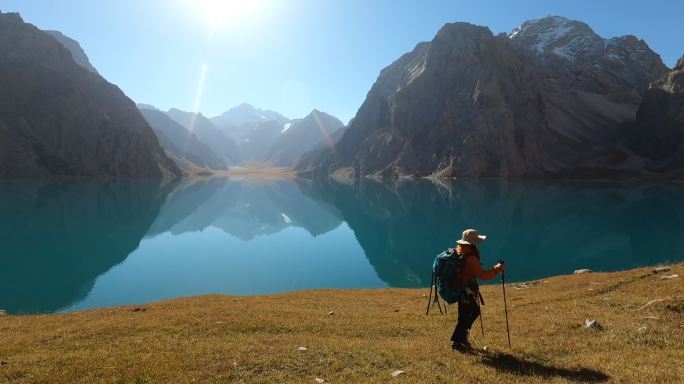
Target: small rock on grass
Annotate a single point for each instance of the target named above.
(661, 269)
(4, 362)
(319, 381)
(668, 277)
(584, 270)
(331, 313)
(139, 309)
(592, 324)
(397, 373)
(302, 349)
(641, 329)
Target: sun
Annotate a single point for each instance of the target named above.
(220, 13)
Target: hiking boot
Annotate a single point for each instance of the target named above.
(461, 346)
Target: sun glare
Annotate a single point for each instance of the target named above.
(221, 13)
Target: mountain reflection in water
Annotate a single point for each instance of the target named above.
(81, 244)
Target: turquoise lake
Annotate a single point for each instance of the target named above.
(72, 245)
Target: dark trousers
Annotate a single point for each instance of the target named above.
(468, 311)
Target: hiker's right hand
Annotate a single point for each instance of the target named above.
(499, 267)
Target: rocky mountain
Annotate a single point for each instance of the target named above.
(245, 115)
(301, 135)
(253, 128)
(257, 140)
(660, 122)
(59, 119)
(77, 53)
(221, 144)
(182, 145)
(552, 99)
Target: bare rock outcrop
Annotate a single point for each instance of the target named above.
(660, 120)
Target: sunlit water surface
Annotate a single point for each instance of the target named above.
(70, 245)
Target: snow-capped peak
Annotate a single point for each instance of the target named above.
(558, 35)
(286, 127)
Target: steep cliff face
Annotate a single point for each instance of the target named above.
(661, 122)
(59, 119)
(553, 99)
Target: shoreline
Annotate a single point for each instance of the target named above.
(297, 292)
(352, 335)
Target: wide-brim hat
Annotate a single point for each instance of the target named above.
(471, 237)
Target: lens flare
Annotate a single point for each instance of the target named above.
(198, 95)
(324, 131)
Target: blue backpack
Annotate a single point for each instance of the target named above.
(444, 271)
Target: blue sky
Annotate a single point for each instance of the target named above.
(295, 55)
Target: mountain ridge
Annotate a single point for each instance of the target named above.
(301, 135)
(188, 151)
(546, 101)
(221, 144)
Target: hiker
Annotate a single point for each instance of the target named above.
(470, 299)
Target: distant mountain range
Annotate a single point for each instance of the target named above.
(248, 135)
(181, 145)
(59, 119)
(254, 129)
(220, 143)
(550, 100)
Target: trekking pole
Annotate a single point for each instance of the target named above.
(503, 286)
(432, 283)
(481, 322)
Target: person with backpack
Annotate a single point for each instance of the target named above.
(469, 300)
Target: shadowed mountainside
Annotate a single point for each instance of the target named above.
(180, 143)
(59, 119)
(221, 144)
(660, 121)
(77, 53)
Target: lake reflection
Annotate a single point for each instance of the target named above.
(70, 245)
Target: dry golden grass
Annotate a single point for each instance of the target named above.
(224, 339)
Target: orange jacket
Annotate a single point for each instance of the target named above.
(471, 269)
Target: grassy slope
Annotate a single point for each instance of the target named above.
(222, 339)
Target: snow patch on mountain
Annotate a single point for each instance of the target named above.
(572, 40)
